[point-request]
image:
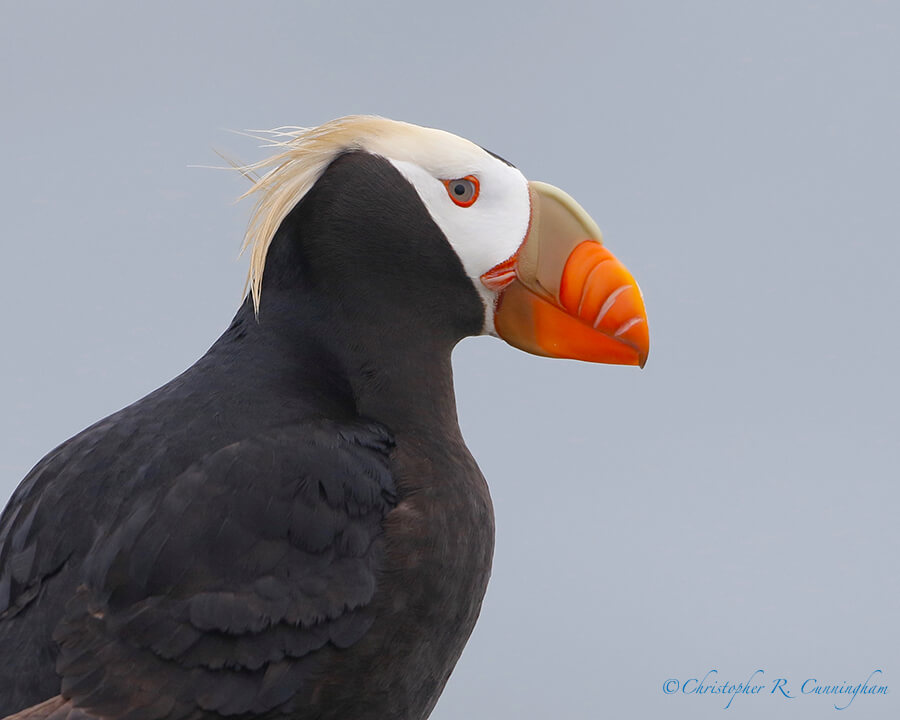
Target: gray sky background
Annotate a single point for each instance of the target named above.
(734, 506)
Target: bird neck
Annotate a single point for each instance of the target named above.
(393, 369)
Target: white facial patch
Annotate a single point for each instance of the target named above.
(491, 229)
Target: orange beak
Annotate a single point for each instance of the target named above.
(563, 294)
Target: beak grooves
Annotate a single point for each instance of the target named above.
(599, 290)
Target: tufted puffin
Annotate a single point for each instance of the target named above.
(293, 527)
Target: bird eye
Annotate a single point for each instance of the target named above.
(463, 191)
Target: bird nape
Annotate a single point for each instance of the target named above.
(293, 527)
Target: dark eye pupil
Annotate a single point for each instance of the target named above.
(462, 191)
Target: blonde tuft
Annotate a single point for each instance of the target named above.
(281, 181)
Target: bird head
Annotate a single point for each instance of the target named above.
(534, 257)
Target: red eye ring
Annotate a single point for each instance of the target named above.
(463, 191)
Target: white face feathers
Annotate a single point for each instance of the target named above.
(484, 215)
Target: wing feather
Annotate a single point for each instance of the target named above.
(220, 591)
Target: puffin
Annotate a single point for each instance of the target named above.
(293, 527)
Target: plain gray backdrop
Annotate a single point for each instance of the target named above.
(733, 506)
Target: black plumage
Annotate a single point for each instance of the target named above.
(275, 531)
